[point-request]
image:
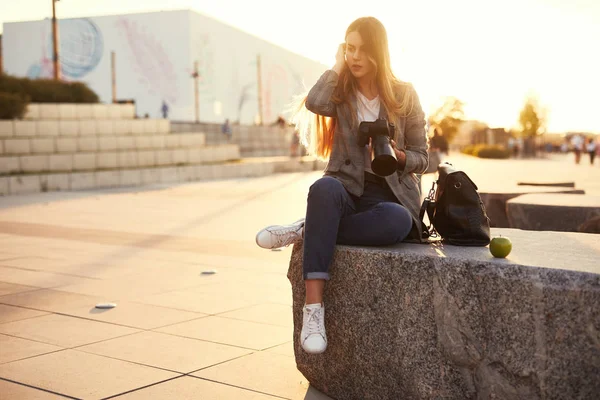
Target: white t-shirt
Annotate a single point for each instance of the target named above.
(577, 142)
(368, 110)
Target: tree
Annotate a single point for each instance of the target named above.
(532, 124)
(448, 117)
(530, 119)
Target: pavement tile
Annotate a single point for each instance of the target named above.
(13, 348)
(135, 315)
(11, 313)
(207, 299)
(314, 394)
(82, 375)
(280, 296)
(15, 391)
(114, 234)
(188, 388)
(286, 349)
(4, 255)
(63, 331)
(274, 314)
(263, 372)
(51, 300)
(86, 269)
(232, 275)
(37, 278)
(169, 352)
(220, 261)
(10, 288)
(37, 264)
(132, 286)
(246, 334)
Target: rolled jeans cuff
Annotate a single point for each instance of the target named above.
(317, 275)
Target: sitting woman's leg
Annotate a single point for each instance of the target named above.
(385, 223)
(328, 203)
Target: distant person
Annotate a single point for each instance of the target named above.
(577, 143)
(438, 146)
(226, 129)
(519, 144)
(564, 147)
(295, 145)
(280, 122)
(511, 144)
(351, 204)
(438, 142)
(165, 110)
(591, 149)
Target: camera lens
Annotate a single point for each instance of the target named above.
(384, 161)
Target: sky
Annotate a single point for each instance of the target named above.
(490, 54)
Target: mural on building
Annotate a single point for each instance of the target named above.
(150, 62)
(81, 47)
(155, 54)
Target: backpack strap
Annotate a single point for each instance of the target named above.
(428, 207)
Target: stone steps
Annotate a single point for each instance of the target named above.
(79, 111)
(130, 177)
(254, 141)
(53, 145)
(89, 146)
(95, 160)
(45, 128)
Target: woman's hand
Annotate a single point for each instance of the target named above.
(340, 59)
(400, 155)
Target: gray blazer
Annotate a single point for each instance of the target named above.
(347, 162)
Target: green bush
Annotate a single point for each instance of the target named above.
(468, 150)
(48, 90)
(12, 105)
(485, 151)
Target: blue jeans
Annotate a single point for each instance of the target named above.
(335, 216)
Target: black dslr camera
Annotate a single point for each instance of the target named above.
(381, 133)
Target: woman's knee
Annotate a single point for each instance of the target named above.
(398, 221)
(326, 186)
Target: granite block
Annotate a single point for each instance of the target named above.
(444, 322)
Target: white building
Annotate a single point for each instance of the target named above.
(155, 54)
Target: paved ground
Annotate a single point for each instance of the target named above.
(497, 175)
(176, 332)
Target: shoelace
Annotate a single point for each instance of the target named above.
(314, 324)
(285, 236)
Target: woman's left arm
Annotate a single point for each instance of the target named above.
(415, 157)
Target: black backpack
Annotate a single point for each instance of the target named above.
(455, 210)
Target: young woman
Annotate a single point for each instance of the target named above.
(350, 204)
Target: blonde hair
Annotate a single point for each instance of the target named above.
(317, 131)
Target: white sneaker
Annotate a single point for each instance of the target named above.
(313, 338)
(276, 236)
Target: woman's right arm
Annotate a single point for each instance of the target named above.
(318, 100)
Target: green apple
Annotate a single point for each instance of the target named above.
(500, 246)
